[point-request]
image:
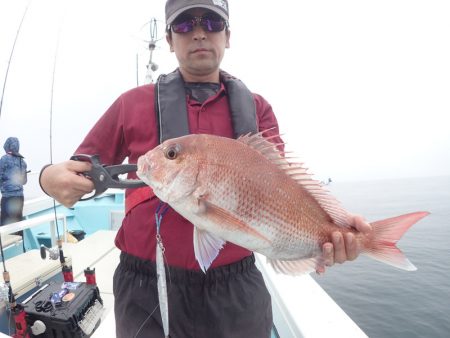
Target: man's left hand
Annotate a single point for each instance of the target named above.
(344, 247)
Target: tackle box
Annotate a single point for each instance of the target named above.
(64, 310)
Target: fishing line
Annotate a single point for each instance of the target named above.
(145, 321)
(11, 55)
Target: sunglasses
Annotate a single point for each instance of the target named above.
(209, 23)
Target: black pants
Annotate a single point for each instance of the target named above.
(12, 208)
(231, 301)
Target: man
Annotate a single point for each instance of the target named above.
(13, 176)
(230, 300)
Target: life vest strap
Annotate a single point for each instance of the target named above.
(137, 196)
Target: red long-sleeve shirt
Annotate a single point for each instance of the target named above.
(129, 129)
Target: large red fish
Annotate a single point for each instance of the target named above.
(246, 192)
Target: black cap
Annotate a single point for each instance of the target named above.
(176, 7)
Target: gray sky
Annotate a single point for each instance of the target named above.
(361, 89)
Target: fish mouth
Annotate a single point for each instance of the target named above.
(144, 169)
(141, 166)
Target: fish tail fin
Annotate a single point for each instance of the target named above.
(386, 233)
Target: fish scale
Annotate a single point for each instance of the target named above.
(246, 192)
(269, 210)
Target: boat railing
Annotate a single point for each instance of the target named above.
(36, 221)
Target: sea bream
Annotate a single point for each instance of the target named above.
(247, 192)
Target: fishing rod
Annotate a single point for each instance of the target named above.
(11, 56)
(66, 269)
(17, 310)
(6, 276)
(6, 292)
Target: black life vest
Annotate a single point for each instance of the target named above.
(171, 110)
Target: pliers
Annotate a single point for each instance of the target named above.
(106, 176)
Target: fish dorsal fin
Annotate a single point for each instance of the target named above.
(206, 248)
(298, 172)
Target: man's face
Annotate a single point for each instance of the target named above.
(199, 52)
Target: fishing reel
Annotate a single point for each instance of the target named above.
(52, 252)
(55, 254)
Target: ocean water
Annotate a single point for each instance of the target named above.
(389, 302)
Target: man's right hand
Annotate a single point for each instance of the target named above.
(64, 183)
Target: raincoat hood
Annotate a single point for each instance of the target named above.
(12, 145)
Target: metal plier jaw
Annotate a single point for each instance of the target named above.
(107, 176)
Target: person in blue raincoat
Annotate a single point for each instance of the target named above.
(13, 176)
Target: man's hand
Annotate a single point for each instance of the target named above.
(64, 183)
(344, 248)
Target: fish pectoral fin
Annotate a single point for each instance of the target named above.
(298, 267)
(206, 248)
(230, 221)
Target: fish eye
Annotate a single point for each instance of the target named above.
(171, 152)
